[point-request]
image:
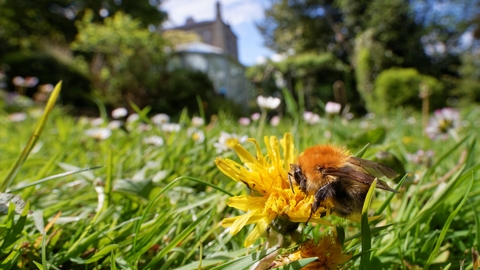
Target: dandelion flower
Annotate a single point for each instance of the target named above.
(443, 123)
(271, 197)
(226, 139)
(328, 252)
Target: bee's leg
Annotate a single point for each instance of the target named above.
(303, 183)
(321, 195)
(291, 184)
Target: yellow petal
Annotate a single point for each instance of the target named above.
(288, 150)
(246, 203)
(260, 228)
(260, 157)
(242, 153)
(241, 221)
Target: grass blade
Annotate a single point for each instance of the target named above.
(246, 261)
(16, 189)
(444, 231)
(177, 240)
(389, 197)
(33, 138)
(366, 235)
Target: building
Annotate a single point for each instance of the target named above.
(216, 33)
(217, 56)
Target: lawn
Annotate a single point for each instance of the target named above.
(144, 194)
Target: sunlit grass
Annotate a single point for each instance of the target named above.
(125, 204)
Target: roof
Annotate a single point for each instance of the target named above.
(193, 25)
(198, 47)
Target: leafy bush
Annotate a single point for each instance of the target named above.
(119, 57)
(178, 89)
(397, 87)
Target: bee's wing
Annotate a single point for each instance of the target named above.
(374, 168)
(362, 177)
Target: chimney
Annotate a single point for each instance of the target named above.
(189, 21)
(219, 13)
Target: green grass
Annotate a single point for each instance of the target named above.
(164, 204)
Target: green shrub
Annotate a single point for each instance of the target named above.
(400, 87)
(179, 89)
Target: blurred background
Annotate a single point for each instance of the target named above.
(367, 55)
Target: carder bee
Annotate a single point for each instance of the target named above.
(338, 181)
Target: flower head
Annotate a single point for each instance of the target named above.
(119, 113)
(268, 102)
(275, 121)
(328, 252)
(244, 121)
(133, 118)
(311, 118)
(197, 121)
(160, 119)
(333, 108)
(18, 81)
(115, 124)
(421, 157)
(45, 88)
(272, 196)
(17, 117)
(443, 123)
(95, 122)
(171, 127)
(99, 134)
(227, 139)
(153, 140)
(255, 116)
(197, 135)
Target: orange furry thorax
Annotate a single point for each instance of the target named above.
(322, 156)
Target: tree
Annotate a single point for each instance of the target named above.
(121, 58)
(372, 36)
(25, 24)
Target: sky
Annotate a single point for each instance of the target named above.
(240, 14)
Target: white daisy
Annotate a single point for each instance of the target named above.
(119, 113)
(225, 138)
(160, 119)
(153, 140)
(270, 103)
(99, 133)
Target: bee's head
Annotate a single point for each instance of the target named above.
(297, 174)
